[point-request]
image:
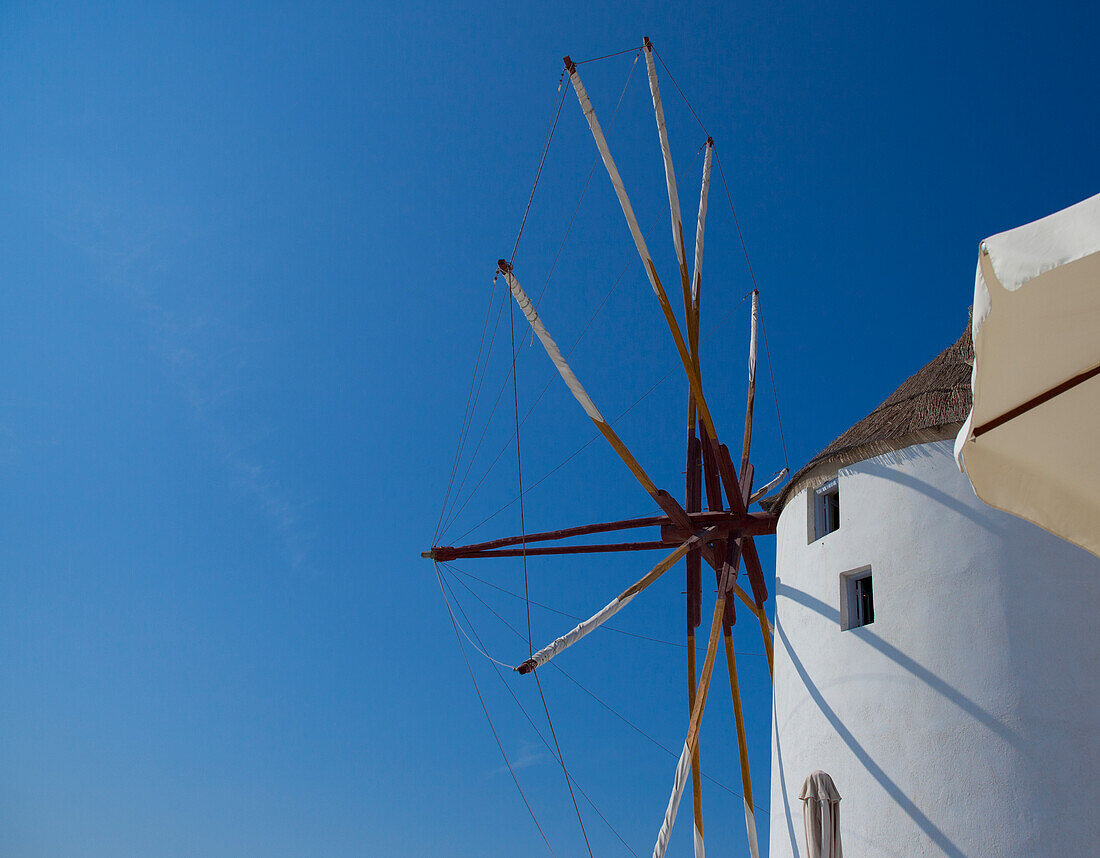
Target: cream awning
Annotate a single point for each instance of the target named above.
(1031, 445)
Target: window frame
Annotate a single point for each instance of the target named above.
(823, 519)
(851, 605)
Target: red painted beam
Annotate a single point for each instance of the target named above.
(760, 523)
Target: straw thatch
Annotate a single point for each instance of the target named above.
(930, 405)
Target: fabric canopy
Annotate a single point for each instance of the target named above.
(1031, 445)
(821, 816)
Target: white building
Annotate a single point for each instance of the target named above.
(938, 658)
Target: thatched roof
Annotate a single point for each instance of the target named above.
(930, 405)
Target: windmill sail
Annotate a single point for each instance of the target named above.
(722, 536)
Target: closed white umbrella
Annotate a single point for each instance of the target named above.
(821, 815)
(1031, 445)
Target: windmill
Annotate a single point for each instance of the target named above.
(723, 535)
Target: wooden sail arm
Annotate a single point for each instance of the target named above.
(697, 272)
(693, 502)
(671, 532)
(670, 181)
(745, 444)
(446, 555)
(728, 475)
(771, 484)
(734, 552)
(662, 498)
(683, 767)
(755, 572)
(714, 461)
(733, 494)
(614, 606)
(729, 525)
(711, 479)
(694, 380)
(742, 745)
(715, 562)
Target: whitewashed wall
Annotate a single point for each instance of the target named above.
(966, 719)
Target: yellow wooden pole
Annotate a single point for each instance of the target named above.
(670, 179)
(752, 384)
(692, 502)
(762, 616)
(571, 380)
(704, 678)
(692, 740)
(766, 632)
(614, 606)
(639, 242)
(742, 743)
(696, 771)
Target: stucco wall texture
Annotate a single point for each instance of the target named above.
(965, 720)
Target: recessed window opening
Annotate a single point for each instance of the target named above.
(826, 509)
(857, 599)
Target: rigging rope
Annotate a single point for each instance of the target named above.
(478, 647)
(471, 404)
(591, 171)
(529, 334)
(736, 222)
(597, 436)
(729, 197)
(775, 396)
(530, 720)
(523, 534)
(767, 351)
(454, 513)
(455, 508)
(684, 97)
(605, 56)
(477, 396)
(488, 718)
(538, 174)
(452, 568)
(467, 413)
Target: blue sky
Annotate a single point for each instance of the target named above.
(246, 254)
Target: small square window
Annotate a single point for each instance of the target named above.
(857, 599)
(826, 509)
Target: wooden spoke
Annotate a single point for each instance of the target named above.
(742, 744)
(670, 180)
(663, 499)
(752, 381)
(613, 607)
(697, 273)
(672, 533)
(639, 242)
(684, 765)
